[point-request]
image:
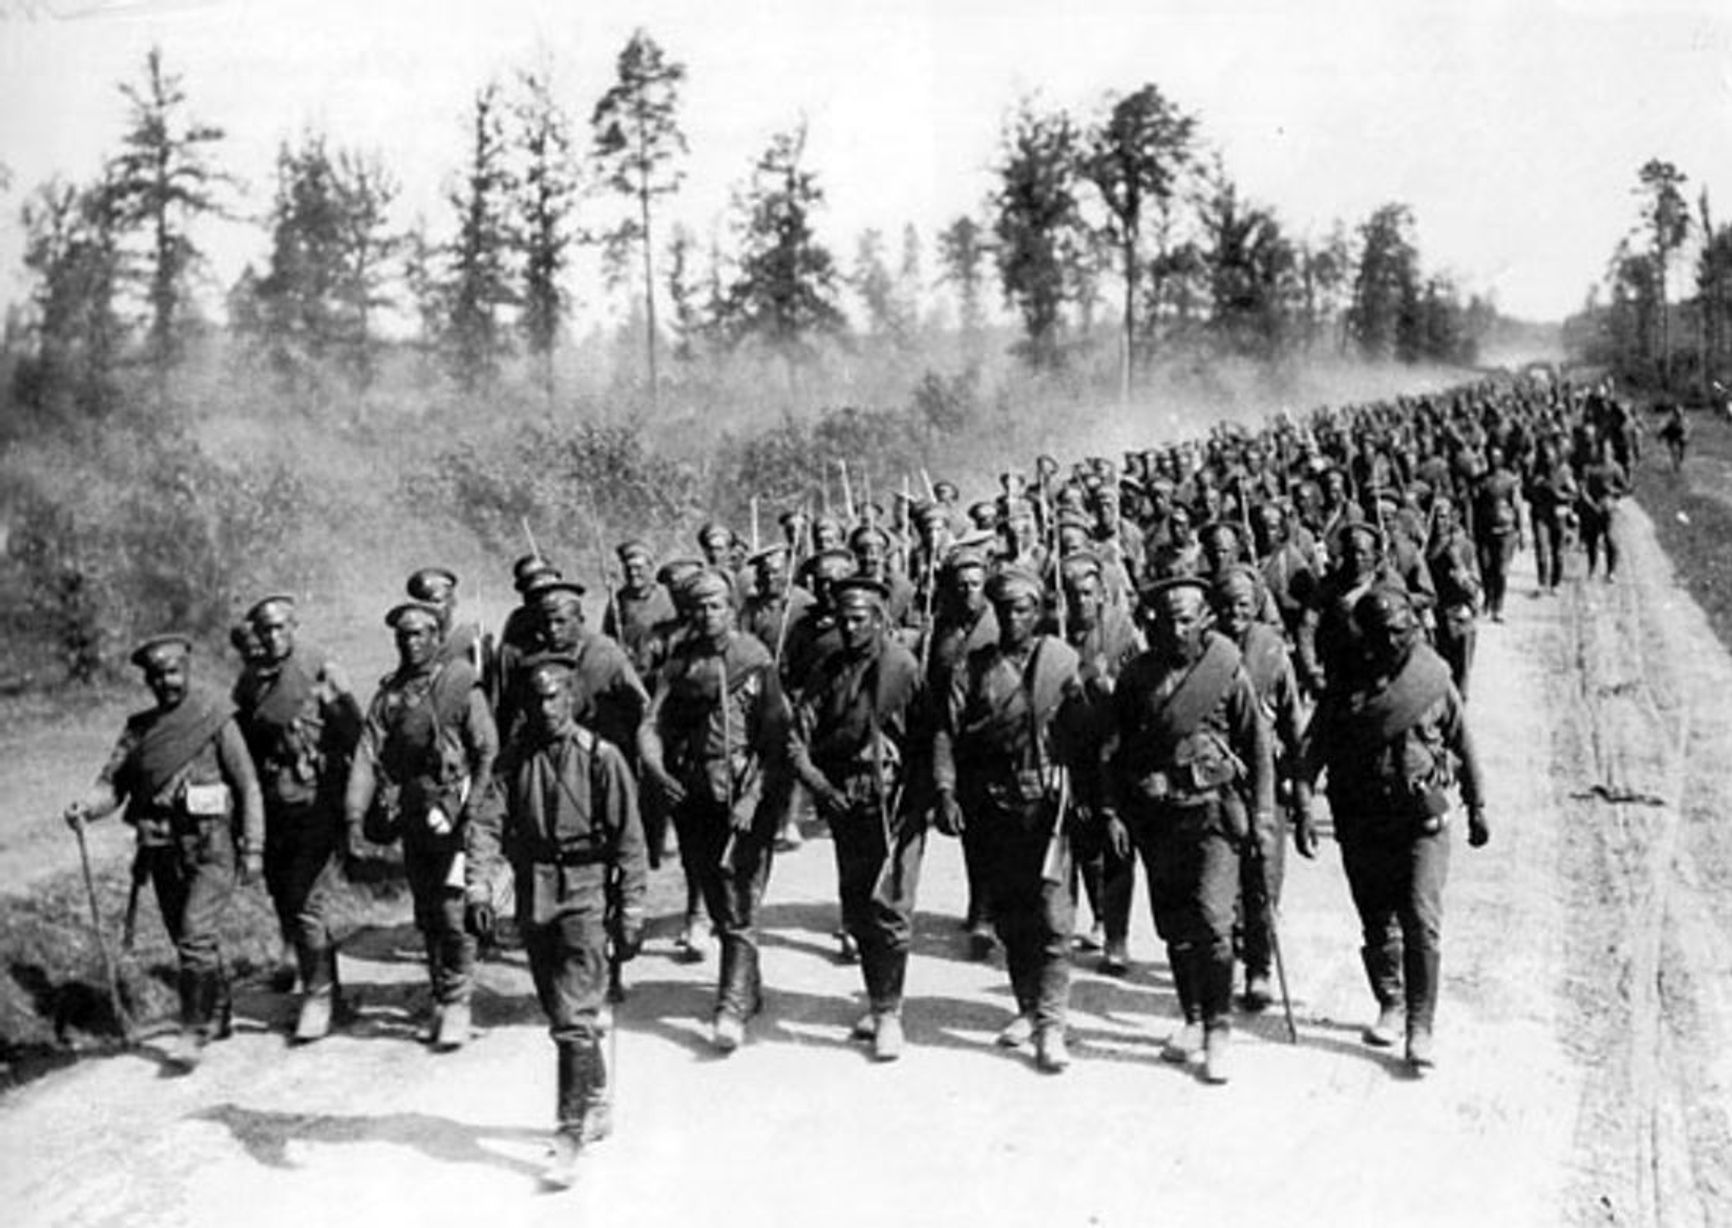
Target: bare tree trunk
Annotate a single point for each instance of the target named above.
(649, 294)
(1127, 357)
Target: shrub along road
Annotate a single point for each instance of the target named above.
(1583, 1036)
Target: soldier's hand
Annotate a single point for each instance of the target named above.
(479, 919)
(76, 816)
(252, 866)
(1118, 836)
(1478, 830)
(671, 790)
(949, 816)
(831, 801)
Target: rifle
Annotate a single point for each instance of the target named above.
(1255, 853)
(847, 493)
(529, 535)
(108, 969)
(601, 562)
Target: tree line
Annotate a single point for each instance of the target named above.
(1631, 321)
(1128, 205)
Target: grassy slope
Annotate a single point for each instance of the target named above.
(1692, 514)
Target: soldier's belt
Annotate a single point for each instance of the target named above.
(550, 856)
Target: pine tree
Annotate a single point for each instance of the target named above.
(481, 281)
(547, 190)
(638, 142)
(163, 181)
(785, 286)
(1038, 225)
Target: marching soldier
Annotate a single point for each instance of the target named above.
(1106, 640)
(564, 818)
(1455, 575)
(424, 760)
(1392, 745)
(639, 606)
(963, 623)
(1263, 655)
(437, 587)
(850, 745)
(1188, 780)
(1497, 528)
(1005, 740)
(182, 771)
(301, 723)
(713, 744)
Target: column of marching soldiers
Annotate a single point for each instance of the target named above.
(1152, 661)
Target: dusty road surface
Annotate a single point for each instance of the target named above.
(1583, 1062)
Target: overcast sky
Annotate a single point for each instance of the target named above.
(1514, 130)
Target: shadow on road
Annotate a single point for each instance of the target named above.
(267, 1135)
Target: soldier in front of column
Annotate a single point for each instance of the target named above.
(1263, 655)
(962, 623)
(564, 818)
(850, 746)
(1007, 734)
(301, 723)
(182, 771)
(1391, 747)
(423, 763)
(714, 743)
(1106, 639)
(1189, 778)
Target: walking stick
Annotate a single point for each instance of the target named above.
(108, 969)
(1275, 942)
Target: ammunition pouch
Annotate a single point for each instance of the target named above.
(383, 822)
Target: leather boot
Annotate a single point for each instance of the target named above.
(570, 1104)
(598, 1097)
(730, 1024)
(1187, 1040)
(1382, 970)
(454, 1026)
(1214, 971)
(1422, 971)
(314, 1020)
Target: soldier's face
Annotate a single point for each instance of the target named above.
(561, 624)
(772, 575)
(1235, 608)
(167, 681)
(715, 548)
(1017, 618)
(857, 622)
(636, 569)
(1359, 553)
(1082, 599)
(417, 641)
(276, 637)
(551, 705)
(712, 615)
(968, 589)
(1181, 616)
(869, 552)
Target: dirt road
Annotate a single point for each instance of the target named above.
(1583, 1078)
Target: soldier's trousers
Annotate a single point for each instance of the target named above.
(1396, 879)
(731, 872)
(439, 916)
(1108, 880)
(1033, 916)
(1495, 551)
(303, 877)
(1260, 882)
(568, 962)
(878, 895)
(194, 879)
(1596, 532)
(1549, 550)
(1193, 870)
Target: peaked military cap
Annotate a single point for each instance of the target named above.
(161, 651)
(866, 590)
(409, 610)
(429, 583)
(260, 608)
(1012, 584)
